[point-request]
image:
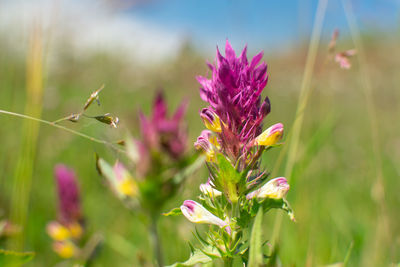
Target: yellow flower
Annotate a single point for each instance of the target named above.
(211, 120)
(65, 249)
(271, 136)
(57, 231)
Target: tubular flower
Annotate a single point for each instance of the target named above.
(211, 120)
(207, 189)
(271, 136)
(196, 213)
(123, 183)
(65, 249)
(207, 144)
(276, 189)
(57, 231)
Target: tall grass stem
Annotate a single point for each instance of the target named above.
(54, 124)
(382, 233)
(29, 136)
(305, 92)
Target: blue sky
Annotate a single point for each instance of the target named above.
(268, 23)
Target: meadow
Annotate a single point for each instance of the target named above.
(345, 173)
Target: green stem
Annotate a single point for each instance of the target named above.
(155, 239)
(93, 139)
(228, 262)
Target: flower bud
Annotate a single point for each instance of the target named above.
(196, 213)
(276, 189)
(65, 249)
(211, 120)
(57, 231)
(204, 143)
(208, 189)
(271, 136)
(343, 58)
(265, 108)
(108, 119)
(124, 183)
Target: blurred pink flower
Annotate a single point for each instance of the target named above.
(68, 194)
(343, 58)
(159, 132)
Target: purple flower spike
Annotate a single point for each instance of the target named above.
(68, 193)
(234, 94)
(161, 132)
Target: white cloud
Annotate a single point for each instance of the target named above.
(89, 27)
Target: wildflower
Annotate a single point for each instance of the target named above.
(208, 189)
(211, 120)
(65, 249)
(207, 144)
(162, 133)
(343, 58)
(332, 43)
(68, 193)
(57, 231)
(270, 136)
(233, 144)
(124, 183)
(68, 228)
(196, 213)
(234, 92)
(276, 189)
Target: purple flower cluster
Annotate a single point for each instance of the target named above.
(68, 193)
(159, 132)
(234, 93)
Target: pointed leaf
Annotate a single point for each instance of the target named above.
(173, 212)
(196, 257)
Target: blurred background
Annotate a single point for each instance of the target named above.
(345, 180)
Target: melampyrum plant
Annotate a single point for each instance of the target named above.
(238, 192)
(157, 164)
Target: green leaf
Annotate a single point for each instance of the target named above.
(255, 253)
(228, 178)
(196, 257)
(282, 204)
(173, 212)
(12, 258)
